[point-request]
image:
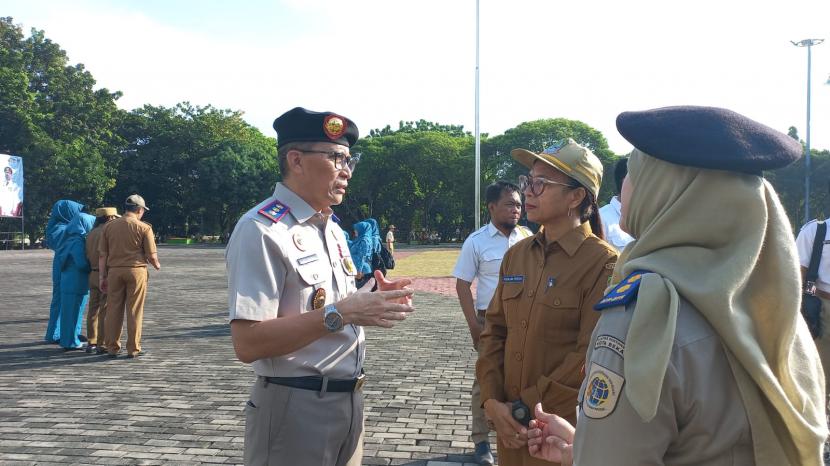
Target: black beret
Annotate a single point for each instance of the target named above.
(301, 125)
(708, 137)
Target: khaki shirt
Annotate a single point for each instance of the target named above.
(127, 242)
(540, 320)
(700, 420)
(274, 269)
(93, 240)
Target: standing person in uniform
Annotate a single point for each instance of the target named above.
(390, 239)
(480, 260)
(74, 280)
(96, 316)
(127, 245)
(541, 317)
(610, 213)
(294, 310)
(804, 243)
(62, 213)
(701, 356)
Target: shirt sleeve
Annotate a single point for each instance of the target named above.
(103, 243)
(149, 243)
(466, 267)
(804, 243)
(256, 273)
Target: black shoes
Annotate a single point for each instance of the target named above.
(91, 348)
(482, 454)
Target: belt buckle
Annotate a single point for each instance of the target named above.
(361, 379)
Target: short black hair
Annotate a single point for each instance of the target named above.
(620, 170)
(282, 154)
(8, 169)
(131, 207)
(493, 192)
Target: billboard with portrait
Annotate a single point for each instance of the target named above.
(11, 186)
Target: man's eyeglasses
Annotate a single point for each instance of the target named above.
(341, 160)
(537, 184)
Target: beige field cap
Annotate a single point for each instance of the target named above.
(570, 158)
(106, 212)
(135, 199)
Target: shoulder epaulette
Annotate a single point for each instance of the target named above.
(274, 211)
(335, 218)
(623, 293)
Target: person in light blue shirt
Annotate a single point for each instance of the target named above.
(74, 284)
(62, 213)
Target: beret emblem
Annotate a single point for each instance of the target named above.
(334, 126)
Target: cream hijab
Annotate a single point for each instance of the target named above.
(722, 241)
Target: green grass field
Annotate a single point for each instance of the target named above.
(426, 264)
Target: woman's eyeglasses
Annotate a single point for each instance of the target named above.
(537, 184)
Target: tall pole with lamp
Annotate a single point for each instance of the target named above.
(809, 43)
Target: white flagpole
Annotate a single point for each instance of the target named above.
(478, 141)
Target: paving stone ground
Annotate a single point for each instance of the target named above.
(182, 404)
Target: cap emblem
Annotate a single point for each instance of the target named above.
(334, 126)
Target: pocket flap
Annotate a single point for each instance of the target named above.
(511, 290)
(312, 273)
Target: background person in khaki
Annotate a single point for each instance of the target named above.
(390, 239)
(540, 320)
(95, 318)
(127, 245)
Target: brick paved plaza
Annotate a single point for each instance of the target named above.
(182, 404)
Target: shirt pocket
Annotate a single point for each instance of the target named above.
(559, 316)
(511, 294)
(490, 263)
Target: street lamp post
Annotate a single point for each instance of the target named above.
(478, 142)
(809, 43)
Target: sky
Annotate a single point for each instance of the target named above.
(382, 61)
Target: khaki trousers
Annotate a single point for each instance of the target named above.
(96, 317)
(127, 288)
(480, 431)
(296, 427)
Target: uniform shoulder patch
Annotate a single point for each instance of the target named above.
(623, 293)
(602, 392)
(274, 211)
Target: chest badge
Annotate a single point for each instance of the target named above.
(299, 242)
(347, 261)
(318, 299)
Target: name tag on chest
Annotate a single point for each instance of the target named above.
(513, 279)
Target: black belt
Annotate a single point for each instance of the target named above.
(94, 270)
(319, 384)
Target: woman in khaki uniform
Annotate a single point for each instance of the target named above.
(540, 320)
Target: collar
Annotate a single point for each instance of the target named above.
(299, 208)
(492, 230)
(570, 242)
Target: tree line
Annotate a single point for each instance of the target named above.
(200, 167)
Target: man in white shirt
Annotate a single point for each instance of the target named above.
(804, 243)
(480, 260)
(610, 213)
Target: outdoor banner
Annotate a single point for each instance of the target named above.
(11, 186)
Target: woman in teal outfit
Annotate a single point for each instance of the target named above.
(74, 282)
(62, 213)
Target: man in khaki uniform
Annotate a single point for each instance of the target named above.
(127, 245)
(95, 318)
(294, 311)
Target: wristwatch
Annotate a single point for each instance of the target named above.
(520, 412)
(332, 319)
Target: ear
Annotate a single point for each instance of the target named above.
(294, 161)
(577, 196)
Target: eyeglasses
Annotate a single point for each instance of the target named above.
(537, 184)
(341, 160)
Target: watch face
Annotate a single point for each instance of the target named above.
(519, 412)
(334, 321)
